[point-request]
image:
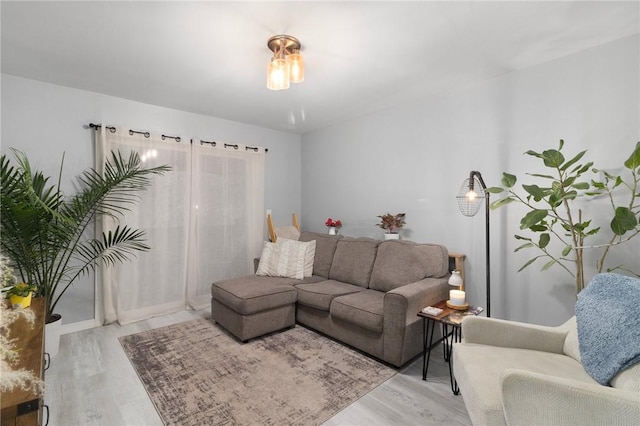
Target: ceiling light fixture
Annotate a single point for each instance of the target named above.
(287, 64)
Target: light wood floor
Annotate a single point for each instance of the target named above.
(92, 382)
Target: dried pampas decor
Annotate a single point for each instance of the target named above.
(11, 378)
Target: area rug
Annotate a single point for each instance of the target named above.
(197, 374)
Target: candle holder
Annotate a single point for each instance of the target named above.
(457, 298)
(458, 307)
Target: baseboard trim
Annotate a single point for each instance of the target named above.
(78, 326)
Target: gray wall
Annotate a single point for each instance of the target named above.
(413, 158)
(44, 120)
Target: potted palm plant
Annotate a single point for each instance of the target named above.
(392, 223)
(46, 235)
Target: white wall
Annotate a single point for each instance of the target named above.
(413, 158)
(44, 120)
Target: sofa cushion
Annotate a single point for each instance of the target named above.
(325, 249)
(628, 379)
(571, 347)
(353, 260)
(309, 280)
(251, 294)
(478, 371)
(403, 262)
(364, 309)
(320, 295)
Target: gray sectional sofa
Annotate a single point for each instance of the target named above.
(363, 292)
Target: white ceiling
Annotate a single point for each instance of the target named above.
(211, 57)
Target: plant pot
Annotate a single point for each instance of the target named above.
(20, 302)
(333, 230)
(52, 335)
(392, 236)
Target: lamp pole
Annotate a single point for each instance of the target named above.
(472, 175)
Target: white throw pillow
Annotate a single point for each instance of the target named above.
(286, 258)
(309, 257)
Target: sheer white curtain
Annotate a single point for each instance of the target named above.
(154, 282)
(203, 221)
(226, 217)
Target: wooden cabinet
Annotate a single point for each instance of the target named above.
(21, 407)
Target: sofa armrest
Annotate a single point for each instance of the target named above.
(401, 321)
(534, 398)
(511, 334)
(406, 301)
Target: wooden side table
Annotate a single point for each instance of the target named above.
(20, 407)
(450, 319)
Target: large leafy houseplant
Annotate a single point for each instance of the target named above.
(553, 209)
(47, 236)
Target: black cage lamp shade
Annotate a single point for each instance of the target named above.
(470, 196)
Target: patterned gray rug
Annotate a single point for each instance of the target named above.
(196, 374)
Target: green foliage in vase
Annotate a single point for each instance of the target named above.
(45, 234)
(21, 289)
(553, 212)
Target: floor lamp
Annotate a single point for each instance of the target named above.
(470, 196)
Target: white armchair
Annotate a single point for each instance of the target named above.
(523, 374)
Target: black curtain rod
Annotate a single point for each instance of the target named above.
(212, 143)
(234, 146)
(176, 138)
(146, 134)
(97, 126)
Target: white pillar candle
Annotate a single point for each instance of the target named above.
(456, 297)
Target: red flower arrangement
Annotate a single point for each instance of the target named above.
(333, 223)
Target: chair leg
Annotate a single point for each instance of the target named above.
(294, 220)
(272, 231)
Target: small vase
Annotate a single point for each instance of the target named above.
(333, 230)
(395, 236)
(19, 302)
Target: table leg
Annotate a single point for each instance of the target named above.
(424, 348)
(427, 341)
(456, 336)
(445, 335)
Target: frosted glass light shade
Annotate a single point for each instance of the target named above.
(278, 74)
(287, 64)
(455, 279)
(297, 67)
